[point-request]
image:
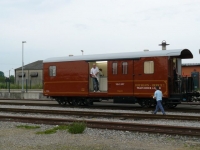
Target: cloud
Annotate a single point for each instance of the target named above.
(63, 27)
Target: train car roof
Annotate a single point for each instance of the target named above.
(180, 53)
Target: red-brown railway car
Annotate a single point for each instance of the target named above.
(129, 77)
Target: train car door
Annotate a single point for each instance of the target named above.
(102, 66)
(120, 78)
(148, 73)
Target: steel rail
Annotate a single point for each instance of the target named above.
(116, 107)
(123, 116)
(149, 128)
(29, 104)
(11, 99)
(18, 99)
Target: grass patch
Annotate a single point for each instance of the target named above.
(61, 127)
(28, 127)
(76, 127)
(54, 130)
(50, 131)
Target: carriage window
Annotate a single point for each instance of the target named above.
(124, 67)
(114, 68)
(52, 71)
(148, 67)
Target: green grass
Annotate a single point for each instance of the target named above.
(74, 128)
(28, 127)
(50, 131)
(77, 127)
(61, 127)
(54, 130)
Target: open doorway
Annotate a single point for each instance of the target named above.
(103, 78)
(177, 78)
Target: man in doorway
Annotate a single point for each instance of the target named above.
(94, 73)
(158, 97)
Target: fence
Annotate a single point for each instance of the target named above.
(28, 84)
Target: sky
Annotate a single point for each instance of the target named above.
(56, 28)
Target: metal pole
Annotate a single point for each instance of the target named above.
(9, 86)
(9, 81)
(26, 85)
(23, 65)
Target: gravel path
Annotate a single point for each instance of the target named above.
(12, 138)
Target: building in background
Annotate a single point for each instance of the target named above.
(32, 74)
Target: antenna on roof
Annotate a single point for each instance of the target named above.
(163, 44)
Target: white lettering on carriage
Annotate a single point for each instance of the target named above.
(119, 83)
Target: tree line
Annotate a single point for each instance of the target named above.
(6, 79)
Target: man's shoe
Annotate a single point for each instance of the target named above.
(153, 113)
(94, 91)
(98, 91)
(164, 114)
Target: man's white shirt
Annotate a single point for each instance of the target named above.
(93, 72)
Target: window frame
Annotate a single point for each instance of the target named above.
(52, 71)
(124, 67)
(114, 68)
(149, 67)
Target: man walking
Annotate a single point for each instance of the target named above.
(158, 97)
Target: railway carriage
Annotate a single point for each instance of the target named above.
(129, 77)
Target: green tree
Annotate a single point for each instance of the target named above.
(1, 74)
(12, 79)
(2, 79)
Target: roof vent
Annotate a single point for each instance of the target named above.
(71, 55)
(146, 50)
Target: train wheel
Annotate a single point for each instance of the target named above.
(172, 105)
(70, 103)
(77, 102)
(74, 102)
(87, 102)
(145, 103)
(153, 105)
(61, 102)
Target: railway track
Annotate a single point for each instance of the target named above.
(149, 128)
(122, 116)
(29, 104)
(98, 106)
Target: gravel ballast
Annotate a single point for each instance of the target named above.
(13, 138)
